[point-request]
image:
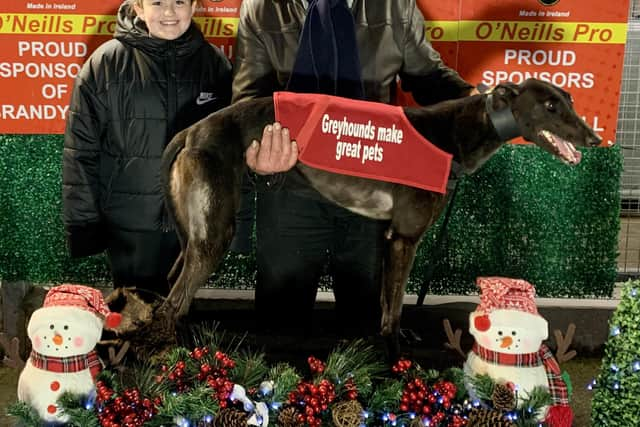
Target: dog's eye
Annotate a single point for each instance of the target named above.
(550, 106)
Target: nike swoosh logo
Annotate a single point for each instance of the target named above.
(203, 99)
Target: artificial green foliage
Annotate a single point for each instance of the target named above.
(250, 369)
(357, 361)
(25, 413)
(287, 377)
(528, 408)
(75, 408)
(482, 386)
(386, 397)
(617, 387)
(524, 214)
(197, 403)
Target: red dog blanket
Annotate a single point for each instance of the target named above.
(361, 138)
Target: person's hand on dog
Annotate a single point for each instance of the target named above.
(275, 153)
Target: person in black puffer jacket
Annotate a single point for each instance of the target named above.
(155, 78)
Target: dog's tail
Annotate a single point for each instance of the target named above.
(169, 155)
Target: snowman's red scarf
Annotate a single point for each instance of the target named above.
(69, 364)
(557, 386)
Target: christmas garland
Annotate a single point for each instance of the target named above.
(209, 387)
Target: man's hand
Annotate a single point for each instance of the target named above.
(275, 153)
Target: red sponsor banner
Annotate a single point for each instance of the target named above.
(575, 44)
(44, 44)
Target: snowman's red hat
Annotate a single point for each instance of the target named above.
(500, 293)
(82, 297)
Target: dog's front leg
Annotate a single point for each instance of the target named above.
(399, 256)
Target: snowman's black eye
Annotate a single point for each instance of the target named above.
(67, 327)
(500, 333)
(513, 333)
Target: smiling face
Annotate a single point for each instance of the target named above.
(63, 331)
(165, 19)
(508, 331)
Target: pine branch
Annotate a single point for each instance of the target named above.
(356, 361)
(530, 406)
(386, 397)
(194, 405)
(250, 370)
(143, 377)
(483, 386)
(207, 335)
(27, 416)
(79, 409)
(456, 376)
(285, 379)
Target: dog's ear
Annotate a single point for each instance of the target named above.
(503, 94)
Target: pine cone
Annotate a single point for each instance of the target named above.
(288, 417)
(488, 418)
(230, 417)
(503, 398)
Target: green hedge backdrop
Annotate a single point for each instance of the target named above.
(524, 214)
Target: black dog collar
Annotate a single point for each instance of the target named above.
(502, 120)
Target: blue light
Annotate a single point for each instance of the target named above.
(412, 415)
(208, 418)
(634, 292)
(365, 414)
(615, 331)
(636, 366)
(248, 407)
(616, 385)
(614, 368)
(276, 405)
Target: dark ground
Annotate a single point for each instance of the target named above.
(236, 318)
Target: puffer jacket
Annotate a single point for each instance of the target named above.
(131, 97)
(391, 42)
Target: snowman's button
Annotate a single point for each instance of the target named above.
(52, 409)
(55, 386)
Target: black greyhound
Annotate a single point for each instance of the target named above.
(204, 164)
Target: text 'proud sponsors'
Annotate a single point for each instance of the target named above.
(575, 44)
(44, 45)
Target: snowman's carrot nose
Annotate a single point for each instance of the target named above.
(57, 339)
(506, 342)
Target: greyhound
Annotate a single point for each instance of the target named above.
(203, 168)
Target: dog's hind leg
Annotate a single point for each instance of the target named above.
(202, 193)
(398, 261)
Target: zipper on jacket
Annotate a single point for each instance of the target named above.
(172, 108)
(172, 94)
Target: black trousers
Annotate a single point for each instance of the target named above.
(296, 237)
(142, 259)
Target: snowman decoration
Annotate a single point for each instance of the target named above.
(508, 333)
(63, 333)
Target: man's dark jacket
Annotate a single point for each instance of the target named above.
(133, 94)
